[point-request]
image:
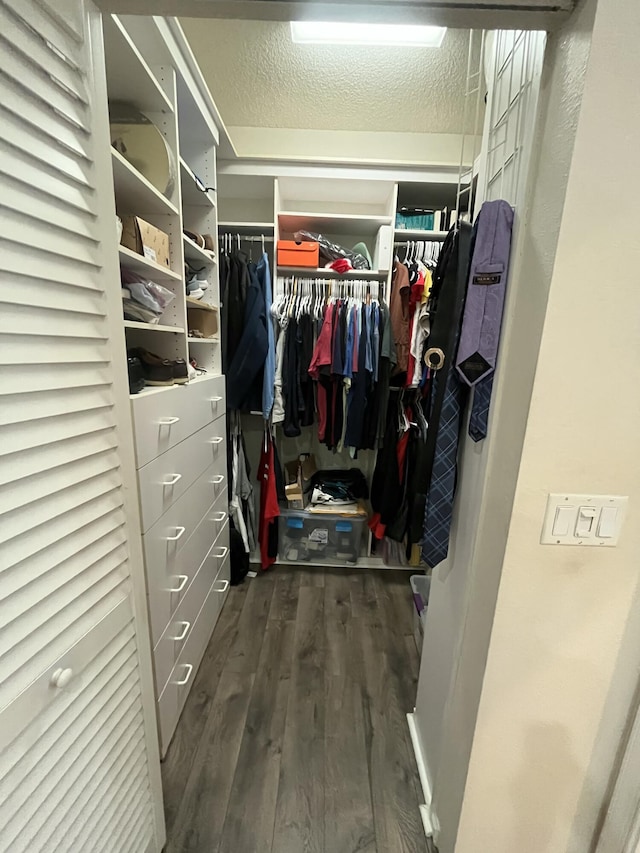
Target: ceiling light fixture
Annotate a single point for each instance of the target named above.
(337, 32)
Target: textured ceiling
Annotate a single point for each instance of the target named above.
(259, 78)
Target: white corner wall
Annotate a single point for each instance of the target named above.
(465, 587)
(564, 652)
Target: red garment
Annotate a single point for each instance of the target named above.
(403, 444)
(323, 350)
(269, 509)
(340, 265)
(376, 526)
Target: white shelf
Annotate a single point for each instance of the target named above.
(246, 227)
(191, 195)
(129, 78)
(152, 327)
(212, 341)
(320, 272)
(194, 253)
(331, 223)
(145, 266)
(418, 235)
(134, 193)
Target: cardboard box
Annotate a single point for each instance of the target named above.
(145, 239)
(294, 254)
(202, 317)
(297, 476)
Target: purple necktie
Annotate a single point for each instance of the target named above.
(480, 333)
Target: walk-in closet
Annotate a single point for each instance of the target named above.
(274, 316)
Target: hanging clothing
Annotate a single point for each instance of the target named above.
(269, 508)
(241, 497)
(399, 311)
(268, 390)
(480, 334)
(447, 396)
(247, 363)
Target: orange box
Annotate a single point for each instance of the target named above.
(294, 254)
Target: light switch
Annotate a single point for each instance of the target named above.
(607, 526)
(585, 524)
(581, 520)
(564, 520)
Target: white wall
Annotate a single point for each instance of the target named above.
(464, 589)
(565, 645)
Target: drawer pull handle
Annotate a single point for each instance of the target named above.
(215, 399)
(217, 440)
(219, 478)
(183, 582)
(184, 633)
(225, 586)
(61, 677)
(189, 668)
(175, 538)
(220, 516)
(168, 421)
(225, 551)
(172, 480)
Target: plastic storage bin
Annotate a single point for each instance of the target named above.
(307, 537)
(420, 586)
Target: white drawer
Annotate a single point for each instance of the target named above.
(163, 418)
(171, 572)
(176, 634)
(165, 479)
(174, 695)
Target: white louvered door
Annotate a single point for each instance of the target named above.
(79, 765)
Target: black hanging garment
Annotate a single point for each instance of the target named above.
(247, 362)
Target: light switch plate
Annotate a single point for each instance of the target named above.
(566, 509)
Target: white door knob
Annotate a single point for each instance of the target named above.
(61, 677)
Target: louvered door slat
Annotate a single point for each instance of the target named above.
(28, 379)
(23, 522)
(14, 437)
(55, 269)
(33, 45)
(75, 774)
(57, 138)
(36, 173)
(28, 76)
(40, 565)
(55, 32)
(18, 196)
(50, 456)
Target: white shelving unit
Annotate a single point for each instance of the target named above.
(321, 272)
(149, 69)
(152, 327)
(195, 255)
(145, 266)
(149, 83)
(134, 191)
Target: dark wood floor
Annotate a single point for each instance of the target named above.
(294, 737)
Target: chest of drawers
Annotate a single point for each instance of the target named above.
(181, 457)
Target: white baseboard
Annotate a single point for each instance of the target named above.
(425, 809)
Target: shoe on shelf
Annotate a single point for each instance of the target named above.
(180, 371)
(195, 282)
(136, 376)
(156, 370)
(196, 293)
